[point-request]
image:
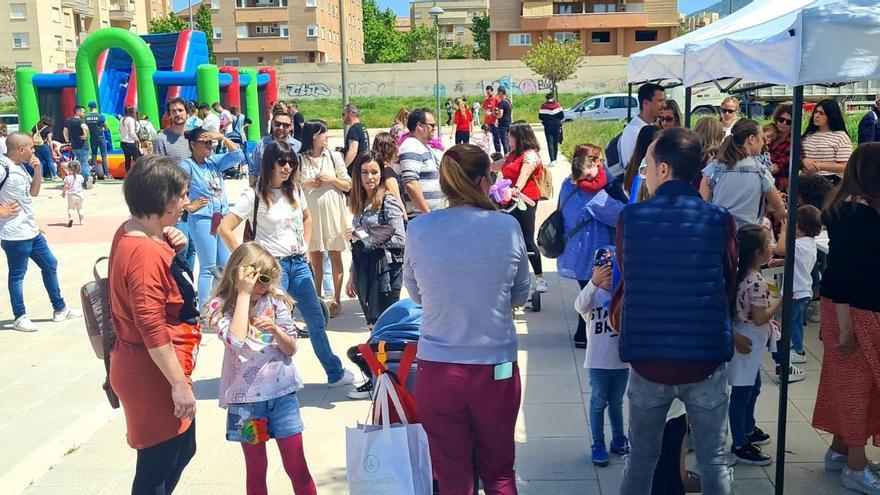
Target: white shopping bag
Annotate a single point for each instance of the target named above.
(388, 459)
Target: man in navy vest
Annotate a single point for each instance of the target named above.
(677, 255)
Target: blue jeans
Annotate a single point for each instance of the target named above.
(188, 255)
(44, 154)
(82, 156)
(742, 411)
(327, 282)
(102, 147)
(607, 389)
(797, 323)
(503, 133)
(211, 252)
(17, 255)
(296, 279)
(495, 140)
(706, 404)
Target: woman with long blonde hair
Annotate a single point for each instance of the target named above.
(398, 127)
(385, 145)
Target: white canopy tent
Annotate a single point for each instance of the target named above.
(824, 41)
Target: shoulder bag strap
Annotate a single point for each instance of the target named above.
(256, 209)
(6, 176)
(562, 204)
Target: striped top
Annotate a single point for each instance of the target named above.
(828, 147)
(421, 163)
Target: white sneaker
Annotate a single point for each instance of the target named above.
(347, 379)
(540, 285)
(865, 481)
(795, 374)
(552, 164)
(836, 462)
(796, 358)
(24, 324)
(66, 314)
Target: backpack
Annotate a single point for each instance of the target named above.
(95, 297)
(143, 133)
(5, 176)
(545, 183)
(612, 157)
(551, 235)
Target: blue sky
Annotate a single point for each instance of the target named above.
(401, 7)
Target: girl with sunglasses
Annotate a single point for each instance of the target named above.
(259, 381)
(729, 113)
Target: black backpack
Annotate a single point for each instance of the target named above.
(612, 158)
(551, 234)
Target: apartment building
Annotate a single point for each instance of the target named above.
(689, 23)
(455, 22)
(278, 32)
(45, 34)
(603, 27)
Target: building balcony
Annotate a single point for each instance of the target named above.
(81, 7)
(122, 12)
(262, 4)
(263, 44)
(584, 21)
(263, 15)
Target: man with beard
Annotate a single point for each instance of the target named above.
(282, 128)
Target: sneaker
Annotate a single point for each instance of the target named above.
(66, 314)
(620, 446)
(302, 333)
(580, 344)
(69, 224)
(795, 374)
(540, 285)
(812, 312)
(598, 455)
(693, 483)
(552, 163)
(758, 437)
(836, 462)
(347, 379)
(865, 481)
(24, 324)
(797, 358)
(751, 455)
(364, 391)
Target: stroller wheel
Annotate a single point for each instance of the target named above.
(536, 301)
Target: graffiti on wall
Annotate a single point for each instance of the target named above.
(313, 89)
(522, 87)
(366, 89)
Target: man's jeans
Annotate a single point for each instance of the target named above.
(607, 389)
(17, 255)
(495, 138)
(102, 147)
(503, 133)
(296, 279)
(82, 156)
(706, 404)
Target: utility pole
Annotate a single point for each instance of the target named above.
(191, 22)
(436, 12)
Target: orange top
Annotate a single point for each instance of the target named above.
(149, 294)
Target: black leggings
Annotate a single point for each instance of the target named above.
(159, 467)
(526, 220)
(462, 137)
(581, 334)
(667, 474)
(131, 152)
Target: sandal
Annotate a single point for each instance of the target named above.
(335, 309)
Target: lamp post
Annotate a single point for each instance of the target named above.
(191, 15)
(436, 12)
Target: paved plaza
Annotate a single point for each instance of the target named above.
(60, 437)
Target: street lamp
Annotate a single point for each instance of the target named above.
(436, 12)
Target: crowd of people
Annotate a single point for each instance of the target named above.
(668, 251)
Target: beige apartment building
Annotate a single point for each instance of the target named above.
(455, 22)
(45, 34)
(603, 27)
(689, 23)
(279, 32)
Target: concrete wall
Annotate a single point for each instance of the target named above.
(457, 77)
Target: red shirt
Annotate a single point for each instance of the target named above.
(463, 120)
(511, 169)
(489, 105)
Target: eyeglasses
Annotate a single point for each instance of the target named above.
(642, 167)
(431, 125)
(264, 279)
(595, 159)
(727, 110)
(667, 119)
(281, 125)
(784, 121)
(285, 161)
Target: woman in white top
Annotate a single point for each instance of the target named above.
(827, 145)
(128, 137)
(729, 113)
(325, 181)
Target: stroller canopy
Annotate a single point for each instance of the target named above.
(400, 323)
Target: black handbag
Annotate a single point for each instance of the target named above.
(551, 235)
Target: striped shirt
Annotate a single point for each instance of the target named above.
(828, 147)
(421, 163)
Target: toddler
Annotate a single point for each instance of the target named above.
(751, 333)
(608, 375)
(259, 381)
(486, 139)
(75, 192)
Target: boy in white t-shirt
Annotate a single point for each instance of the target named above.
(608, 375)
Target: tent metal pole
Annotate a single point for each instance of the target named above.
(794, 168)
(687, 107)
(629, 108)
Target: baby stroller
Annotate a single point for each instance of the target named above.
(534, 302)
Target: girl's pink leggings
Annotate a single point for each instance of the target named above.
(292, 457)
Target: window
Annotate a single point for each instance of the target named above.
(285, 30)
(241, 32)
(58, 44)
(218, 32)
(232, 61)
(17, 10)
(519, 39)
(21, 40)
(635, 7)
(289, 60)
(459, 30)
(23, 64)
(258, 29)
(311, 4)
(589, 105)
(261, 60)
(565, 36)
(612, 102)
(70, 45)
(282, 3)
(215, 4)
(68, 20)
(605, 7)
(568, 8)
(56, 15)
(646, 35)
(312, 31)
(323, 34)
(240, 4)
(599, 37)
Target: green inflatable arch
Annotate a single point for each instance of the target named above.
(141, 55)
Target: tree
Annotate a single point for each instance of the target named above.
(554, 60)
(382, 43)
(421, 43)
(203, 24)
(7, 82)
(480, 30)
(170, 24)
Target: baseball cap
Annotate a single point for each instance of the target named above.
(93, 104)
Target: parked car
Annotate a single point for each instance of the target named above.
(603, 107)
(11, 121)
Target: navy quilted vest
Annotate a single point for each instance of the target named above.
(675, 305)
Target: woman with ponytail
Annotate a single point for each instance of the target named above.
(738, 179)
(468, 267)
